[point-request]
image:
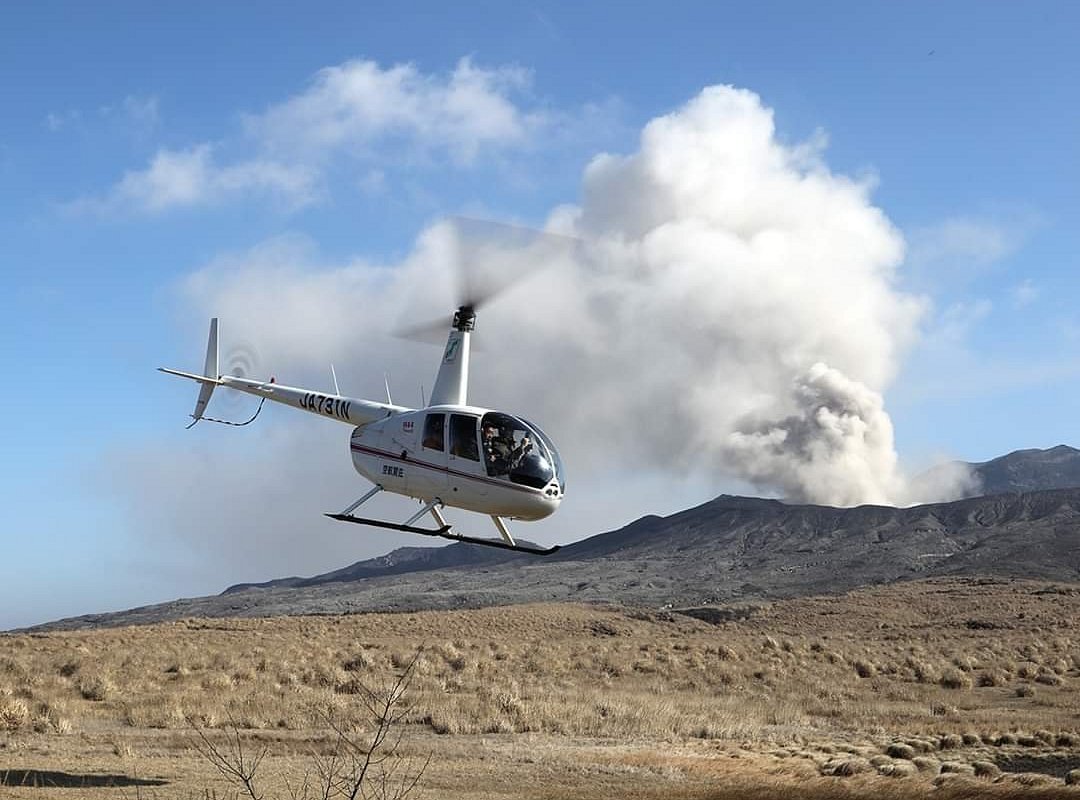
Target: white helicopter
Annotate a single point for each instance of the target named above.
(448, 453)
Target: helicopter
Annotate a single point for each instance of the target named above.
(447, 453)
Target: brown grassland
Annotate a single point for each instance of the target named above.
(943, 688)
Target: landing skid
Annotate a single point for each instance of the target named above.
(445, 533)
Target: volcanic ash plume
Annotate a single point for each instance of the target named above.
(744, 297)
(835, 449)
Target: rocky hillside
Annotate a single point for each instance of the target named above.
(729, 549)
(1030, 470)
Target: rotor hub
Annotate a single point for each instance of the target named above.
(465, 319)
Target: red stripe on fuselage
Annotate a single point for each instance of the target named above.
(436, 468)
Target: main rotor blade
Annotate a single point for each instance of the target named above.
(488, 259)
(493, 257)
(430, 332)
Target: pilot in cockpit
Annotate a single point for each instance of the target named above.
(500, 451)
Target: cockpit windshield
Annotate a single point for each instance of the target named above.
(517, 451)
(560, 471)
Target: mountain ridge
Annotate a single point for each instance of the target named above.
(1028, 470)
(1025, 470)
(729, 549)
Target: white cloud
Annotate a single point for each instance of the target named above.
(186, 178)
(954, 325)
(356, 106)
(139, 113)
(356, 115)
(960, 249)
(142, 112)
(963, 241)
(58, 121)
(1025, 293)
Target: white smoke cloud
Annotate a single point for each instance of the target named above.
(731, 312)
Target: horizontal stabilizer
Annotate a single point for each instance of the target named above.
(193, 376)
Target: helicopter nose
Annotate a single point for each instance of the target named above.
(542, 504)
(551, 498)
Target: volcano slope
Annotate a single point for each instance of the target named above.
(731, 549)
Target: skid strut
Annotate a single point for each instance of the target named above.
(434, 507)
(377, 488)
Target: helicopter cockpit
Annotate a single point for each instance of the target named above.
(518, 451)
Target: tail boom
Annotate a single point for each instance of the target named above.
(350, 410)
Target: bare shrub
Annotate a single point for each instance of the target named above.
(955, 679)
(864, 669)
(925, 672)
(993, 677)
(13, 714)
(722, 652)
(356, 663)
(926, 764)
(846, 767)
(965, 663)
(50, 717)
(898, 769)
(95, 686)
(943, 710)
(900, 750)
(957, 767)
(69, 668)
(371, 767)
(1028, 670)
(950, 741)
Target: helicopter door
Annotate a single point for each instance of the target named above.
(464, 455)
(433, 452)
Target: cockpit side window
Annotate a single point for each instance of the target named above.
(433, 432)
(463, 437)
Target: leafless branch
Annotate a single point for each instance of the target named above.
(369, 767)
(231, 760)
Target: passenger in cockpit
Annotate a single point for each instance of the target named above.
(496, 451)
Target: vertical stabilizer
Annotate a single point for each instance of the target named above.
(210, 370)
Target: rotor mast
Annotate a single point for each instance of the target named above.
(452, 382)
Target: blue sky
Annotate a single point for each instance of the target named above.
(963, 116)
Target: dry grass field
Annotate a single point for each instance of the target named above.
(944, 688)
